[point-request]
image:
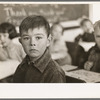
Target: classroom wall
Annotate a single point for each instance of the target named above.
(96, 14)
(15, 13)
(66, 13)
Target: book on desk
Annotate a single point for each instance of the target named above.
(77, 75)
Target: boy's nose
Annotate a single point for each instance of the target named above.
(32, 42)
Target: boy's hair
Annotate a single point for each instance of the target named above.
(85, 20)
(32, 22)
(97, 24)
(8, 28)
(56, 24)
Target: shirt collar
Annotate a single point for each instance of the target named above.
(42, 62)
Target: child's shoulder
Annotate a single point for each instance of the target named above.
(55, 67)
(23, 63)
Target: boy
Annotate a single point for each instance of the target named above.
(37, 67)
(93, 55)
(8, 49)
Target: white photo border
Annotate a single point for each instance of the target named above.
(86, 90)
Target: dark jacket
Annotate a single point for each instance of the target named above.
(86, 37)
(44, 70)
(93, 55)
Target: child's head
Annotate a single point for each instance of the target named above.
(56, 30)
(87, 26)
(35, 36)
(7, 32)
(97, 33)
(32, 22)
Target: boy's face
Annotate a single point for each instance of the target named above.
(4, 39)
(35, 42)
(97, 36)
(87, 27)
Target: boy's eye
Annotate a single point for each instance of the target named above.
(26, 38)
(38, 38)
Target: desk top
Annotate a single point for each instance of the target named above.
(87, 76)
(68, 67)
(7, 68)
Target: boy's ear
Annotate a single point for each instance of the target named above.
(49, 40)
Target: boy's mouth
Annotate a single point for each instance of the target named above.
(32, 50)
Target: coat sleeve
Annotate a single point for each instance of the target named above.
(19, 75)
(58, 77)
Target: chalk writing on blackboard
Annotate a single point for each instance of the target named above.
(15, 13)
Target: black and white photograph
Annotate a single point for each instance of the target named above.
(49, 42)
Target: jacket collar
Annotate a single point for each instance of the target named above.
(41, 63)
(96, 48)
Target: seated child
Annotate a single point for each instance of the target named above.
(38, 66)
(9, 50)
(93, 55)
(58, 47)
(87, 28)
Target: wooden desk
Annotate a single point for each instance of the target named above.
(87, 76)
(69, 68)
(7, 68)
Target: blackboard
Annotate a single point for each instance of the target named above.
(15, 13)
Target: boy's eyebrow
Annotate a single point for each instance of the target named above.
(39, 34)
(34, 34)
(25, 35)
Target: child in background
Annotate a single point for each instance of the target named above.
(88, 30)
(9, 50)
(93, 55)
(58, 47)
(37, 67)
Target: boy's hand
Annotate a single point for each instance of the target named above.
(88, 65)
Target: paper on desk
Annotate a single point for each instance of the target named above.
(88, 76)
(7, 68)
(68, 67)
